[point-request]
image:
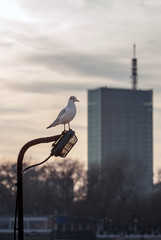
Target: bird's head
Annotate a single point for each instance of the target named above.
(73, 99)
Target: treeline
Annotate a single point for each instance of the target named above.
(63, 186)
(52, 187)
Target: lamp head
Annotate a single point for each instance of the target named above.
(64, 144)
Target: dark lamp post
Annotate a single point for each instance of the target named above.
(61, 147)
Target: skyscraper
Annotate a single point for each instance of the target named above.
(120, 122)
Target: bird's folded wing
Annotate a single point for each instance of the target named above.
(61, 114)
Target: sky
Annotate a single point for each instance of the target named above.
(53, 49)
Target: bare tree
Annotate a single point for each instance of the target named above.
(7, 187)
(52, 186)
(112, 191)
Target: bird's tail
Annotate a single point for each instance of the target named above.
(49, 126)
(53, 125)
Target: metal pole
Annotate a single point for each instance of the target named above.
(20, 179)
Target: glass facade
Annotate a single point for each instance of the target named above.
(120, 122)
(94, 127)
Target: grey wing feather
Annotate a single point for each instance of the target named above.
(60, 114)
(56, 122)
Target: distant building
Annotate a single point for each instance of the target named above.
(51, 227)
(120, 123)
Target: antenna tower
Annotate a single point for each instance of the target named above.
(134, 74)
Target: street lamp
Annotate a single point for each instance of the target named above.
(62, 145)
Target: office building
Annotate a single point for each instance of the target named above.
(120, 122)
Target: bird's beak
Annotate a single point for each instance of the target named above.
(77, 100)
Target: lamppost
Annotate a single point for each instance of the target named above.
(61, 146)
(135, 225)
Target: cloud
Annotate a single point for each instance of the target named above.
(48, 9)
(46, 87)
(70, 46)
(9, 111)
(85, 65)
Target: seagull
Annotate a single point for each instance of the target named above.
(67, 114)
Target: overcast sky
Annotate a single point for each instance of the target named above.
(52, 49)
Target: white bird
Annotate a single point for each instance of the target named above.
(67, 114)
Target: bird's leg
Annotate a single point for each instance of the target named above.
(69, 125)
(64, 127)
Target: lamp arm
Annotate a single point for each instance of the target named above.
(30, 144)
